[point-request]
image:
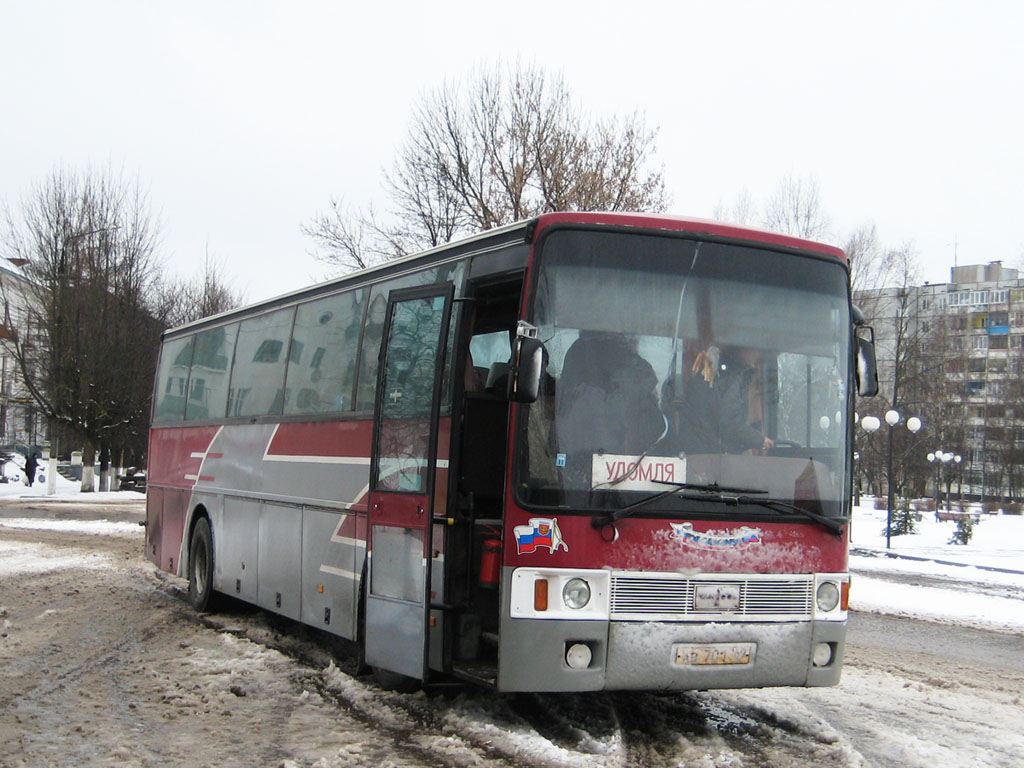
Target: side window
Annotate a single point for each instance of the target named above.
(171, 380)
(322, 361)
(489, 348)
(211, 366)
(257, 377)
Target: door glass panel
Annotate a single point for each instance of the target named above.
(407, 393)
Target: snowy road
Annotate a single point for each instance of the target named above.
(103, 663)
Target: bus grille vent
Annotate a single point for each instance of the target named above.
(727, 597)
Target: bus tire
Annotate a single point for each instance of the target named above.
(200, 567)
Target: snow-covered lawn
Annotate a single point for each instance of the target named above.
(936, 580)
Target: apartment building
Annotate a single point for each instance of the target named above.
(959, 350)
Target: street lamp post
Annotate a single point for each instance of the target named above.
(871, 424)
(942, 463)
(936, 459)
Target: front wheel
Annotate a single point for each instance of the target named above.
(200, 567)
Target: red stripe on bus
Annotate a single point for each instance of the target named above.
(324, 438)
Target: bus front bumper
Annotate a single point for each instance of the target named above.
(669, 655)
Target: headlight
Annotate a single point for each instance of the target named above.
(576, 593)
(828, 596)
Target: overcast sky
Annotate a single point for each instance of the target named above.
(242, 119)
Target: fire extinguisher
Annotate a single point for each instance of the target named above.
(490, 562)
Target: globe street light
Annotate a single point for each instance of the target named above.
(956, 464)
(941, 460)
(872, 424)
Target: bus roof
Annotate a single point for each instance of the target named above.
(688, 224)
(528, 231)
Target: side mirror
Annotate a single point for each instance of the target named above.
(867, 368)
(525, 369)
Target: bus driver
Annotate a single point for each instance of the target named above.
(722, 409)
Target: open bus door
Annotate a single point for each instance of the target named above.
(402, 479)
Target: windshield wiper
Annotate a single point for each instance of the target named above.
(720, 494)
(708, 487)
(782, 507)
(713, 491)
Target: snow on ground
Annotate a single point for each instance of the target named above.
(88, 527)
(946, 583)
(998, 540)
(22, 560)
(943, 582)
(66, 490)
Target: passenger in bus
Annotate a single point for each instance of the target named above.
(722, 407)
(606, 402)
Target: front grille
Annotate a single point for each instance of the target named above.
(671, 597)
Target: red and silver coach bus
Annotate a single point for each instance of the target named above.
(583, 452)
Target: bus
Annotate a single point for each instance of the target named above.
(588, 451)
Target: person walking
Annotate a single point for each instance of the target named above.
(31, 464)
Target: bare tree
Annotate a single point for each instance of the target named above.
(742, 210)
(908, 370)
(349, 240)
(795, 209)
(871, 266)
(87, 350)
(509, 145)
(179, 302)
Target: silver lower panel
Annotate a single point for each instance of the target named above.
(639, 655)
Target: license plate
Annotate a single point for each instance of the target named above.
(693, 655)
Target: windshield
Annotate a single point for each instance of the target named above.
(677, 361)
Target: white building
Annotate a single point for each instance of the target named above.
(22, 426)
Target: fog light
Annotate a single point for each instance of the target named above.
(828, 596)
(822, 655)
(578, 656)
(576, 593)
